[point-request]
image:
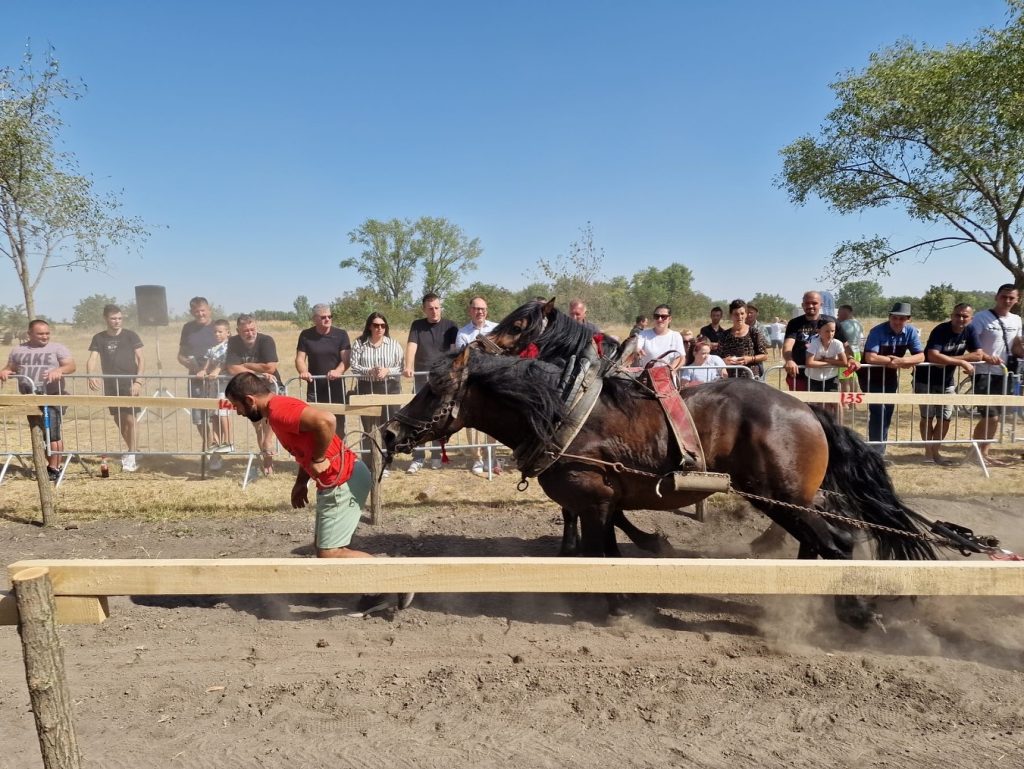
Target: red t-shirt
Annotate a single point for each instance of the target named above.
(283, 416)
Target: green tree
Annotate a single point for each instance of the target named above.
(533, 291)
(772, 305)
(388, 261)
(672, 285)
(303, 311)
(13, 320)
(978, 299)
(937, 302)
(612, 302)
(445, 253)
(938, 133)
(865, 296)
(88, 312)
(50, 214)
(351, 309)
(573, 275)
(500, 302)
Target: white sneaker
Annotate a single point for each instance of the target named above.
(216, 463)
(385, 474)
(223, 448)
(414, 467)
(435, 464)
(478, 467)
(128, 464)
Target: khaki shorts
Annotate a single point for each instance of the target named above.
(339, 508)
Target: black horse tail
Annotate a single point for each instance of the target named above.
(858, 473)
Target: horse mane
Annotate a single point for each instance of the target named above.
(560, 339)
(528, 387)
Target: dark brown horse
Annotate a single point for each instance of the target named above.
(771, 445)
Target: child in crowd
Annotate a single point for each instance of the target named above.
(219, 439)
(826, 357)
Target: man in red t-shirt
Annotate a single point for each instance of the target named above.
(342, 481)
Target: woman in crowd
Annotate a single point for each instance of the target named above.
(704, 367)
(377, 362)
(661, 342)
(743, 345)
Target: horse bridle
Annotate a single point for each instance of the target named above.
(448, 410)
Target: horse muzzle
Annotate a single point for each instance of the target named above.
(394, 443)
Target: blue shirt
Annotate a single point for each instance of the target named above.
(882, 340)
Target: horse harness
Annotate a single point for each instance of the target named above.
(581, 384)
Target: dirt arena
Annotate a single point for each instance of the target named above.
(519, 681)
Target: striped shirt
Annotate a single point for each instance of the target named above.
(365, 357)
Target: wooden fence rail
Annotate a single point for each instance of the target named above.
(81, 586)
(49, 592)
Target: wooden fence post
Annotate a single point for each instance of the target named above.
(44, 669)
(35, 424)
(376, 465)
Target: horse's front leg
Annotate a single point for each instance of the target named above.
(597, 540)
(570, 533)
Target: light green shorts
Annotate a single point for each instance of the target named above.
(339, 508)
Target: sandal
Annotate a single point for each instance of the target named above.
(992, 462)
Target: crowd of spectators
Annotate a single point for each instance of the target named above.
(819, 352)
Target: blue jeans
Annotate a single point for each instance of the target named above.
(879, 417)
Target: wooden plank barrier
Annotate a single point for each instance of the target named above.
(701, 576)
(20, 403)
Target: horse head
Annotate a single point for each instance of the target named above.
(512, 399)
(523, 326)
(538, 329)
(433, 413)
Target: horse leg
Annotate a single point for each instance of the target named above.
(652, 542)
(570, 533)
(597, 540)
(856, 611)
(817, 538)
(834, 543)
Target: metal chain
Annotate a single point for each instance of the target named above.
(846, 520)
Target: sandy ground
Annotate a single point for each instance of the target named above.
(523, 681)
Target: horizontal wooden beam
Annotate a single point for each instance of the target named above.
(22, 403)
(911, 399)
(529, 575)
(71, 609)
(396, 399)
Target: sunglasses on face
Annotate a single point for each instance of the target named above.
(659, 316)
(379, 325)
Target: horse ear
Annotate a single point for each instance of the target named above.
(549, 307)
(461, 360)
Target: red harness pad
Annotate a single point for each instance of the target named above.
(678, 415)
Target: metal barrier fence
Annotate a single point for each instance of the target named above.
(93, 431)
(461, 443)
(905, 427)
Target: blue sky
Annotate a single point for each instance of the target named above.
(253, 136)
